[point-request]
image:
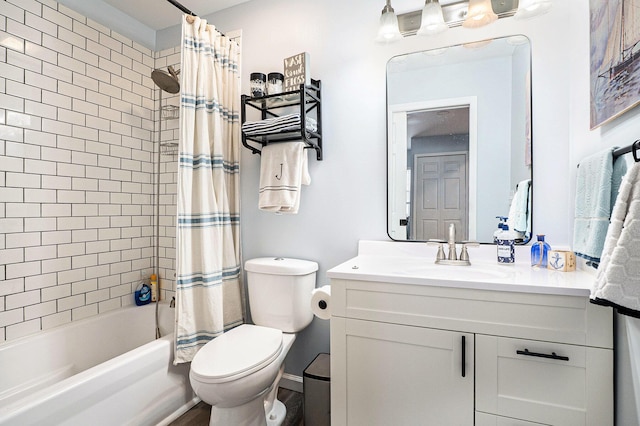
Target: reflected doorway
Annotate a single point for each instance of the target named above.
(438, 163)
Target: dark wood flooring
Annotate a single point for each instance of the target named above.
(199, 415)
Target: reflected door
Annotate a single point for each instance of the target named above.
(440, 183)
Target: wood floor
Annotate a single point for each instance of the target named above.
(199, 415)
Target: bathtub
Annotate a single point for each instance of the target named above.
(103, 370)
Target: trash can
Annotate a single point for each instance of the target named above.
(316, 383)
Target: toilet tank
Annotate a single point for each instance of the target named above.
(280, 292)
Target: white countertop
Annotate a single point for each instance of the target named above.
(413, 263)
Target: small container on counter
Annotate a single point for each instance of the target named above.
(539, 252)
(505, 242)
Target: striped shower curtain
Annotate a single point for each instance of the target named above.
(208, 282)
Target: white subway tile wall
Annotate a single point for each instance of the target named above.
(79, 121)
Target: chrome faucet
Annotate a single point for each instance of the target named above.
(452, 257)
(452, 243)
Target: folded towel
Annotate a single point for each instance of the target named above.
(618, 278)
(518, 218)
(283, 168)
(286, 123)
(593, 204)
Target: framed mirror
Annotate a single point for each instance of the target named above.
(459, 141)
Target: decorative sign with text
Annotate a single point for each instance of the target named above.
(296, 71)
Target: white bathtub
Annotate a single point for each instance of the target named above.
(104, 370)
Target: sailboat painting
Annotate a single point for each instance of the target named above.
(615, 58)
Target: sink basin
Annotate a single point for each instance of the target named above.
(467, 273)
(418, 267)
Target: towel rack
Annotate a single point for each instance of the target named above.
(634, 148)
(306, 98)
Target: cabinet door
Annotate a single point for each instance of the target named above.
(542, 382)
(403, 375)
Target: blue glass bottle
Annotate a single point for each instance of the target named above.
(539, 252)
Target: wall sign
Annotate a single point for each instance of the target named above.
(297, 71)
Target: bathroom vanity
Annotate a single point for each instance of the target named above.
(492, 345)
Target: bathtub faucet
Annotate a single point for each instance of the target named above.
(172, 304)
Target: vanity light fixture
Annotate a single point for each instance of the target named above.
(469, 13)
(480, 14)
(388, 31)
(432, 19)
(531, 8)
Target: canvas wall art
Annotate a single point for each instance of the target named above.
(615, 58)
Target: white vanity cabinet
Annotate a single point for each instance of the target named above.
(398, 357)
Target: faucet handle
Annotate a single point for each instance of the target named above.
(433, 241)
(464, 255)
(440, 255)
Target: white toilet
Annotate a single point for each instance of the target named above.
(238, 372)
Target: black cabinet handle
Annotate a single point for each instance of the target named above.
(553, 355)
(464, 344)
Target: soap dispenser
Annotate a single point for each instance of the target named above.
(505, 246)
(539, 252)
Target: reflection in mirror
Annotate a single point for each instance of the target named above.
(459, 141)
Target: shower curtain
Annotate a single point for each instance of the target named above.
(209, 295)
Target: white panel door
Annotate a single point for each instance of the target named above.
(403, 375)
(440, 191)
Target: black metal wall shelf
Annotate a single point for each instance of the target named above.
(307, 98)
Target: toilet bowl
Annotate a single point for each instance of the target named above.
(248, 360)
(238, 372)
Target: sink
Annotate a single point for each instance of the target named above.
(418, 267)
(468, 273)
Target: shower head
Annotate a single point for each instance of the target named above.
(166, 81)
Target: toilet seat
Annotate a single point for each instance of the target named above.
(236, 353)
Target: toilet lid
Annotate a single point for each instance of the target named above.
(237, 353)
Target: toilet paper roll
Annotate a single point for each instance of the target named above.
(321, 302)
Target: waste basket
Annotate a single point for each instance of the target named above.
(316, 383)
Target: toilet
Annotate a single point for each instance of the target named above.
(238, 372)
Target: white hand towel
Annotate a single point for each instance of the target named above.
(283, 169)
(618, 279)
(593, 205)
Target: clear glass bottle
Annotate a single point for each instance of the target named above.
(539, 252)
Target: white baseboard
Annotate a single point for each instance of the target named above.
(291, 382)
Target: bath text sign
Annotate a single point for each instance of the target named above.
(296, 71)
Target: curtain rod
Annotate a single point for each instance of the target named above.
(187, 11)
(634, 148)
(181, 7)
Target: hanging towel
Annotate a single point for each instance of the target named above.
(593, 204)
(283, 169)
(519, 211)
(618, 279)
